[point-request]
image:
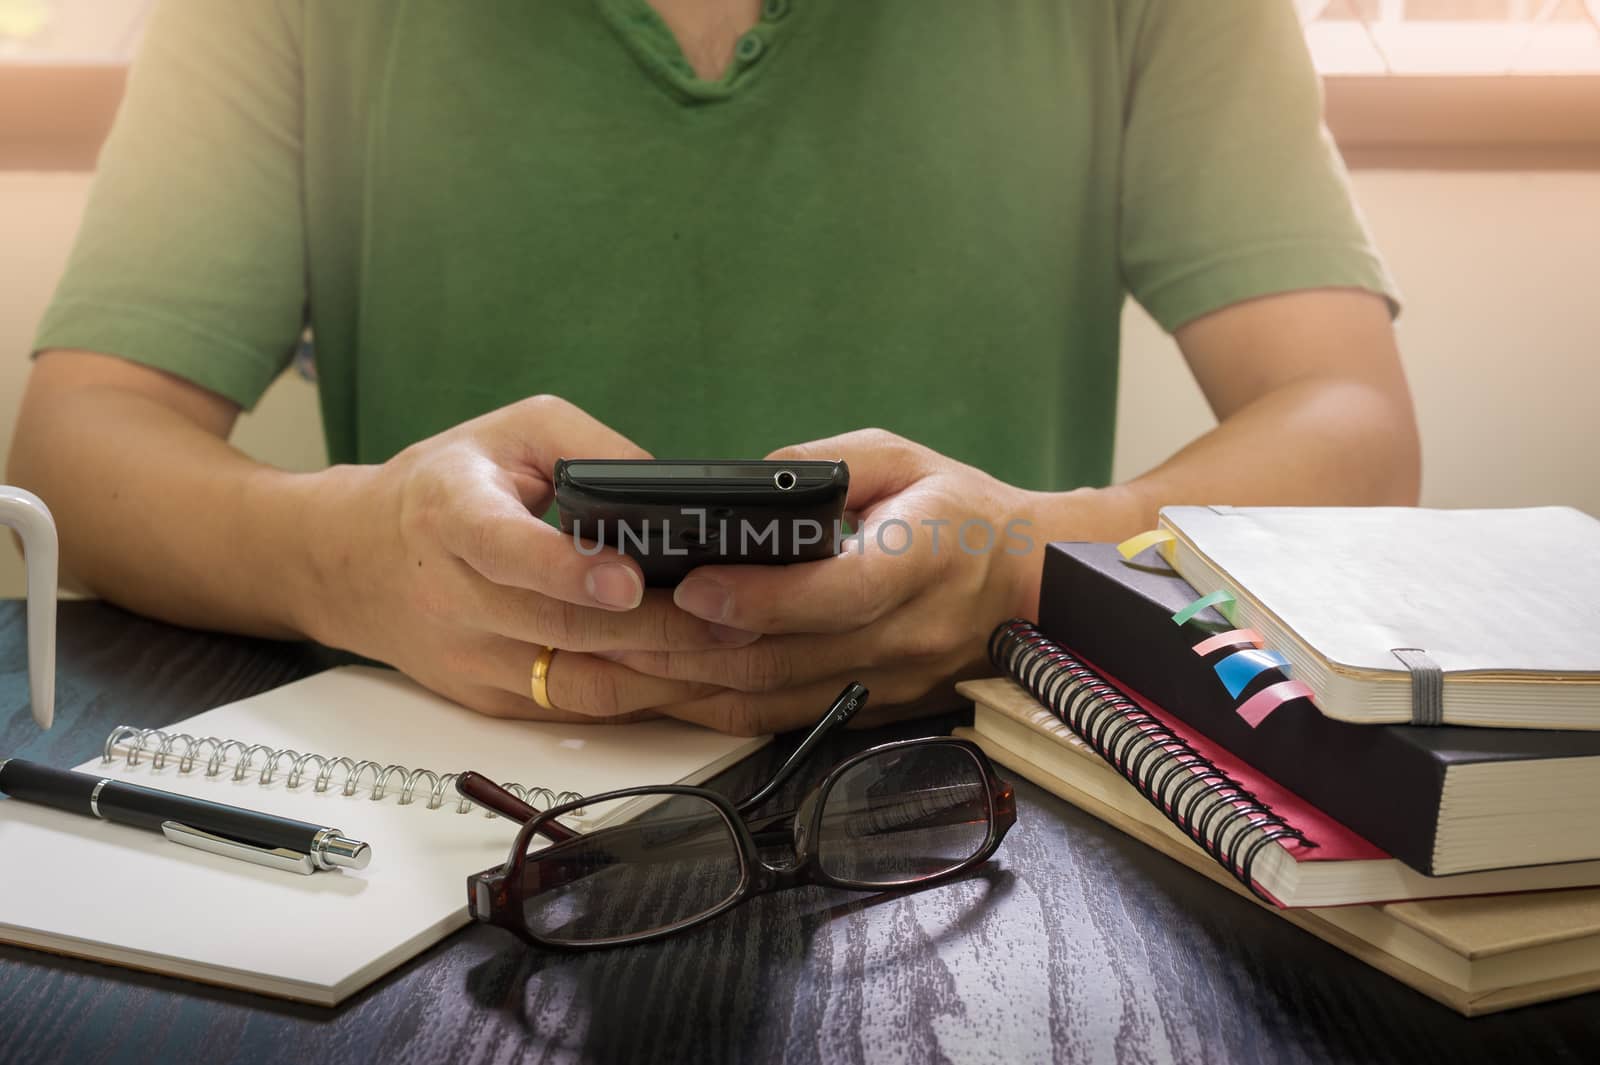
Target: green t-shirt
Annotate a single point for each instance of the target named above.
(922, 215)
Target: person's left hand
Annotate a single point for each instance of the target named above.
(944, 553)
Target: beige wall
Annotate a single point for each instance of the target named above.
(1501, 335)
(38, 217)
(1500, 276)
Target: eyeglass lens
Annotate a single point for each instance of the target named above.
(904, 814)
(669, 864)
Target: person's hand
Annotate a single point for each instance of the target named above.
(945, 553)
(438, 563)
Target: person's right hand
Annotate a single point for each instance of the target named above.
(438, 563)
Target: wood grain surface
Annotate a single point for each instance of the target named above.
(1076, 945)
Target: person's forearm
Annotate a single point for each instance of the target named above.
(178, 525)
(1316, 442)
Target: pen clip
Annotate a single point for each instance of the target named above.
(272, 857)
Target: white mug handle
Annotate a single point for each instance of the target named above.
(26, 513)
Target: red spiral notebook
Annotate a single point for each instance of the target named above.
(1281, 847)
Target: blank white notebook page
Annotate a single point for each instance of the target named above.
(80, 886)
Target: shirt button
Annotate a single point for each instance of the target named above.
(773, 10)
(749, 48)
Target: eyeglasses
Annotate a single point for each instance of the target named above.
(899, 815)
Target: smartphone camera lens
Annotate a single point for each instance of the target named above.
(785, 480)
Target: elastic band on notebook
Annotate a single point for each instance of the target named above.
(1231, 638)
(1220, 599)
(1255, 709)
(1133, 545)
(1242, 667)
(1427, 685)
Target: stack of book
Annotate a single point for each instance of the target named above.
(1380, 723)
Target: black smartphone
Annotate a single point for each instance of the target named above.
(673, 515)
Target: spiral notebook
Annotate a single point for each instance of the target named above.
(1475, 954)
(374, 754)
(1284, 849)
(1174, 772)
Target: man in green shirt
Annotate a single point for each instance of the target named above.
(707, 228)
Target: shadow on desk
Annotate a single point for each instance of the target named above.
(782, 936)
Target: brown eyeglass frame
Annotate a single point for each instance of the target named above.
(493, 897)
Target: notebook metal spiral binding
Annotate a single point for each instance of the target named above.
(215, 753)
(1235, 827)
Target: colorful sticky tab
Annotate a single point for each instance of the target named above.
(1231, 638)
(1220, 599)
(1255, 709)
(1145, 540)
(1242, 667)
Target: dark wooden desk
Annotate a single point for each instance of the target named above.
(1078, 945)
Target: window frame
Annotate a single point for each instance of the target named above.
(1465, 121)
(54, 115)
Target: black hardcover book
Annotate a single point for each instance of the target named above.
(1411, 790)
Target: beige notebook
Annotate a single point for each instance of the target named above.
(1475, 955)
(1504, 604)
(116, 894)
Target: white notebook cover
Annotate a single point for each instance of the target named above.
(73, 885)
(1479, 590)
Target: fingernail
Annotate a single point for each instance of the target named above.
(615, 585)
(733, 637)
(703, 598)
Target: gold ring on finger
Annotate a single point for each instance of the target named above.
(540, 686)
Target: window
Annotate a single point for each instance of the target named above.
(1453, 36)
(1497, 84)
(70, 30)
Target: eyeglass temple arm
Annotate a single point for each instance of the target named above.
(850, 700)
(492, 797)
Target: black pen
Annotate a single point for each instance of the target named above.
(265, 839)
